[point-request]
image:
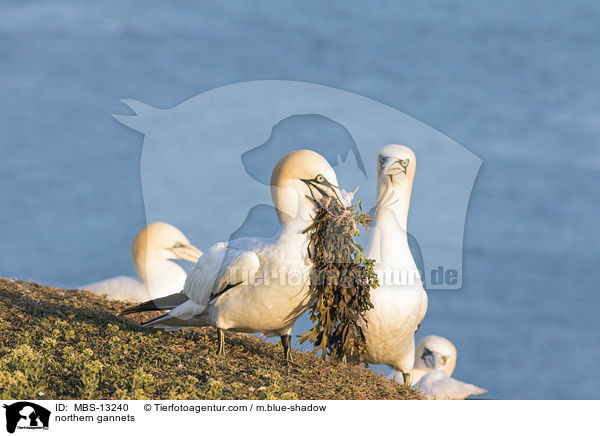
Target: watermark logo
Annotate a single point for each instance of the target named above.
(25, 415)
(206, 164)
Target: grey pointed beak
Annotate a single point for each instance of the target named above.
(322, 189)
(186, 252)
(392, 167)
(339, 196)
(433, 360)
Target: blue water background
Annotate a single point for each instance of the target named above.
(515, 82)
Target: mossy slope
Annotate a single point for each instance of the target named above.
(68, 344)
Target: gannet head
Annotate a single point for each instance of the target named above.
(435, 352)
(161, 241)
(396, 162)
(297, 176)
(396, 166)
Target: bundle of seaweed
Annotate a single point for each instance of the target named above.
(341, 280)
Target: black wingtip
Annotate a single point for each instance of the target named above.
(148, 306)
(145, 324)
(163, 303)
(133, 309)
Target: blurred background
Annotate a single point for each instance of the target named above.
(516, 83)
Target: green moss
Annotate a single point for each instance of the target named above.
(22, 373)
(58, 344)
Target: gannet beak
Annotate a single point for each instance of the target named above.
(434, 360)
(321, 187)
(393, 167)
(340, 197)
(312, 184)
(186, 252)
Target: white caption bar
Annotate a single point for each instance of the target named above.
(296, 417)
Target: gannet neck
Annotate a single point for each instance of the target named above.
(158, 274)
(297, 224)
(292, 237)
(292, 228)
(395, 197)
(152, 264)
(146, 247)
(163, 276)
(139, 254)
(389, 241)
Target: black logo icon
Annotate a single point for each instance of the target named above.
(26, 415)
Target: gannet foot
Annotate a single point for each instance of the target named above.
(406, 376)
(220, 342)
(287, 349)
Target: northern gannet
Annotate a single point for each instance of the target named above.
(400, 301)
(435, 360)
(254, 285)
(152, 250)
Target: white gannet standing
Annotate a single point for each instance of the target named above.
(152, 250)
(254, 285)
(435, 360)
(400, 301)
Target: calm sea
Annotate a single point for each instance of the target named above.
(515, 82)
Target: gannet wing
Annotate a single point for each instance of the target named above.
(219, 270)
(437, 385)
(223, 267)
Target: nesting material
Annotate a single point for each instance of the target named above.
(341, 280)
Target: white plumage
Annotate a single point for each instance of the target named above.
(400, 302)
(435, 360)
(258, 284)
(152, 250)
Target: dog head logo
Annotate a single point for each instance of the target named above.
(26, 415)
